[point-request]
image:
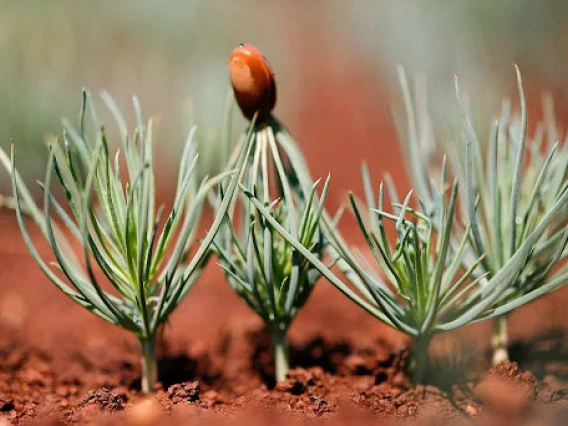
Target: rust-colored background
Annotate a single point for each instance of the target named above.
(335, 69)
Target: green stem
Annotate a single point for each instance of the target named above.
(419, 358)
(281, 354)
(149, 364)
(499, 340)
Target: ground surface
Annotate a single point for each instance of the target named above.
(61, 364)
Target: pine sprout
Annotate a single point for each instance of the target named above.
(426, 293)
(516, 186)
(118, 226)
(267, 273)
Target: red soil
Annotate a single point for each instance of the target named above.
(61, 364)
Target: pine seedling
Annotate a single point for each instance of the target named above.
(426, 290)
(149, 256)
(267, 273)
(511, 190)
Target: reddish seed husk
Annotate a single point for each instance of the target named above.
(253, 82)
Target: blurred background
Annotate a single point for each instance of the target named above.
(335, 63)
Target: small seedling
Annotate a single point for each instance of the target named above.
(512, 190)
(265, 271)
(118, 227)
(426, 293)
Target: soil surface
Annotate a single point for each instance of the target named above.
(62, 365)
(59, 364)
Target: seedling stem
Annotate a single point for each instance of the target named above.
(149, 364)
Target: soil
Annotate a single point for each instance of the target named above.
(59, 364)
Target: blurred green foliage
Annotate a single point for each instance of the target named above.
(173, 55)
